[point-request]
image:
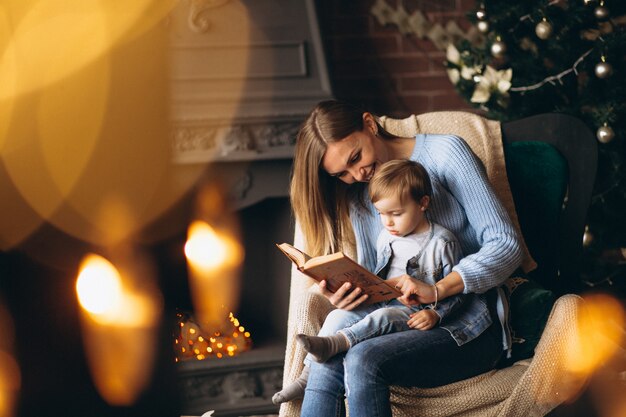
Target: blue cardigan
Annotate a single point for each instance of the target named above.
(463, 202)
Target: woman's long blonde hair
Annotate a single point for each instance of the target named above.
(321, 204)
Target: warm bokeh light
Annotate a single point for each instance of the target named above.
(56, 38)
(10, 381)
(119, 322)
(214, 260)
(10, 375)
(601, 332)
(8, 74)
(206, 250)
(99, 286)
(75, 130)
(76, 135)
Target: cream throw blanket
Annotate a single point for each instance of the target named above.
(528, 388)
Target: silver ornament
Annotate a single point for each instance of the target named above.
(601, 13)
(483, 26)
(603, 70)
(587, 237)
(543, 29)
(498, 49)
(605, 134)
(481, 14)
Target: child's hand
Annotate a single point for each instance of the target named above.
(423, 319)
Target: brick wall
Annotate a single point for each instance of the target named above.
(383, 70)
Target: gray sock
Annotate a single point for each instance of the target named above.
(323, 348)
(294, 390)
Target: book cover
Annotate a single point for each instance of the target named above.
(338, 269)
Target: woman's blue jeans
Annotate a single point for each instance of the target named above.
(411, 358)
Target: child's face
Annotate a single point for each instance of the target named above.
(403, 219)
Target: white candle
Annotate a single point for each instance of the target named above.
(214, 261)
(119, 326)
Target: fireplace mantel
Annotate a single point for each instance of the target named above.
(244, 74)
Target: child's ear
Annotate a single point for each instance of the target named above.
(424, 202)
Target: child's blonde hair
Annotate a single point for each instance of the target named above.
(400, 178)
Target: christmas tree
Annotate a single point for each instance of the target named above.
(538, 56)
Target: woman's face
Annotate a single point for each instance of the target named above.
(356, 157)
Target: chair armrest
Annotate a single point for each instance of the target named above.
(547, 382)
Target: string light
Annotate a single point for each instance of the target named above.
(553, 78)
(191, 343)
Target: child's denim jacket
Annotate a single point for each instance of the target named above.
(465, 316)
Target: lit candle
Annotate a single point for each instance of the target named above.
(119, 330)
(214, 260)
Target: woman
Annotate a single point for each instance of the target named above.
(338, 150)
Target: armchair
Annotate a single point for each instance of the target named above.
(549, 160)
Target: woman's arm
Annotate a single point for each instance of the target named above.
(418, 292)
(461, 173)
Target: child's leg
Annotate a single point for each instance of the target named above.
(382, 321)
(377, 322)
(336, 320)
(294, 390)
(322, 348)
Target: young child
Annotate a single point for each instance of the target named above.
(408, 244)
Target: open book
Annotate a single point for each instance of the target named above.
(337, 269)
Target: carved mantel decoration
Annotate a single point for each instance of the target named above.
(195, 143)
(199, 15)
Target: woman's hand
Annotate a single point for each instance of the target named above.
(423, 319)
(414, 292)
(346, 297)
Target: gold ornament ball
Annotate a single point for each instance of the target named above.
(483, 26)
(603, 70)
(543, 30)
(481, 14)
(605, 134)
(498, 49)
(601, 13)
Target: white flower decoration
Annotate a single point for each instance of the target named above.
(468, 73)
(492, 81)
(453, 55)
(454, 75)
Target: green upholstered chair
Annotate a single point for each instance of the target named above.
(550, 163)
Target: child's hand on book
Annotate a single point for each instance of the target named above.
(423, 319)
(346, 297)
(415, 292)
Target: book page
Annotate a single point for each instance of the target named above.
(296, 255)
